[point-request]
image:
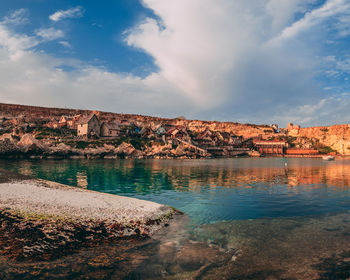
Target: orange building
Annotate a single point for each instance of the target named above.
(302, 152)
(271, 147)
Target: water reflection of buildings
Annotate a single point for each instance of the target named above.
(82, 180)
(154, 175)
(192, 177)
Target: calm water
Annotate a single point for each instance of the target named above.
(211, 190)
(266, 218)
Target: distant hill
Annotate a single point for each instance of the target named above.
(34, 113)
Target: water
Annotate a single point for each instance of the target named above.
(266, 218)
(211, 190)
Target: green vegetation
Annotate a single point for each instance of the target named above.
(137, 142)
(47, 132)
(324, 149)
(81, 144)
(291, 140)
(4, 131)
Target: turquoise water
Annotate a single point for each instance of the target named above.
(211, 190)
(265, 218)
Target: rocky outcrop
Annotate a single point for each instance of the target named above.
(336, 137)
(158, 151)
(7, 136)
(43, 220)
(125, 149)
(7, 147)
(245, 130)
(29, 144)
(61, 150)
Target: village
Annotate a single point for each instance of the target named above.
(159, 139)
(44, 132)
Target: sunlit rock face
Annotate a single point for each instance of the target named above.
(337, 136)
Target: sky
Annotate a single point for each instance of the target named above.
(258, 61)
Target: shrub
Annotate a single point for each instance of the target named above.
(325, 149)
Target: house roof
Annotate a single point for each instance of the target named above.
(86, 119)
(172, 131)
(205, 134)
(112, 126)
(66, 118)
(270, 142)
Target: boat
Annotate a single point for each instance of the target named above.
(328, 158)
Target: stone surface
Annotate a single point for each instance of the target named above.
(42, 220)
(337, 136)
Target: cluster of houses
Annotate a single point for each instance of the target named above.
(65, 121)
(214, 142)
(91, 127)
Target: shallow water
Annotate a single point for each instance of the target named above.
(267, 218)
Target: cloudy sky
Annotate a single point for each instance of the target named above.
(258, 61)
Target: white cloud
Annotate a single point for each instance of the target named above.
(75, 12)
(50, 34)
(218, 53)
(217, 59)
(327, 111)
(228, 56)
(15, 44)
(330, 9)
(17, 17)
(33, 77)
(283, 12)
(65, 44)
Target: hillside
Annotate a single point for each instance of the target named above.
(34, 113)
(39, 130)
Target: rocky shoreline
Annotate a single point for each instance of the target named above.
(42, 220)
(29, 147)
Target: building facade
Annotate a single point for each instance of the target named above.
(271, 147)
(89, 126)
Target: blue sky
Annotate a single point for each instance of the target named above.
(266, 61)
(97, 35)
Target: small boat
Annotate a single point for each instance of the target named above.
(328, 158)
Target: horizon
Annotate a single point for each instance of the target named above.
(166, 118)
(266, 62)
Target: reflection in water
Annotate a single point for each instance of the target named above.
(82, 180)
(249, 219)
(211, 190)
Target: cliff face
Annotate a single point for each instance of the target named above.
(337, 136)
(245, 130)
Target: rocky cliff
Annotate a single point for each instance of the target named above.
(336, 137)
